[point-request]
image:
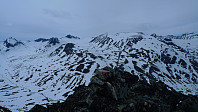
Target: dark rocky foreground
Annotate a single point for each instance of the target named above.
(118, 91)
(124, 92)
(3, 109)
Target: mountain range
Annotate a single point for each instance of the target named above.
(46, 71)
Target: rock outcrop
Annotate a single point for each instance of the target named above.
(72, 37)
(11, 42)
(112, 90)
(3, 109)
(41, 40)
(53, 41)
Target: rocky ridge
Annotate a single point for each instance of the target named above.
(123, 92)
(10, 43)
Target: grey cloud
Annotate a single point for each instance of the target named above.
(145, 27)
(58, 14)
(87, 18)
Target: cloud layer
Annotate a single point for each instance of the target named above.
(27, 19)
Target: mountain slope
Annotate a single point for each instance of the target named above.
(150, 58)
(44, 72)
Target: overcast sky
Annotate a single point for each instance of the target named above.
(30, 19)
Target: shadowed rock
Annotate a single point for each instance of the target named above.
(120, 91)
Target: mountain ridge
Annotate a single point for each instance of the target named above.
(44, 74)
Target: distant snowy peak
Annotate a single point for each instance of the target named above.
(47, 44)
(72, 37)
(41, 40)
(191, 35)
(186, 36)
(53, 41)
(185, 42)
(12, 42)
(118, 40)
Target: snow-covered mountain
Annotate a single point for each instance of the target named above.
(47, 70)
(151, 58)
(187, 42)
(9, 43)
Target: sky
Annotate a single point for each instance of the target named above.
(31, 19)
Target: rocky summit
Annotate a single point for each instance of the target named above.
(114, 90)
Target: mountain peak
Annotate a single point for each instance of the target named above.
(53, 41)
(41, 40)
(189, 35)
(12, 42)
(72, 37)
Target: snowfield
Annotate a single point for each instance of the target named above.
(47, 72)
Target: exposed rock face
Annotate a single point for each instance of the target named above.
(11, 42)
(3, 109)
(66, 48)
(53, 41)
(133, 95)
(41, 40)
(72, 37)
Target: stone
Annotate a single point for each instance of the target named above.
(132, 95)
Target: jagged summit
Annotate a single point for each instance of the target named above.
(11, 42)
(53, 41)
(72, 37)
(41, 40)
(118, 40)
